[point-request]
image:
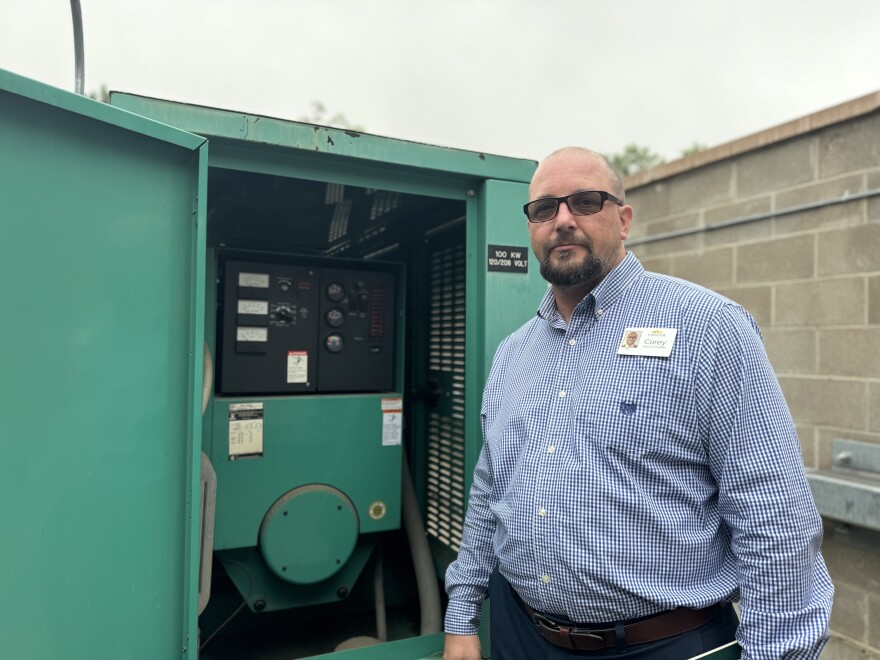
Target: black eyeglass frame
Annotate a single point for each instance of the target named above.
(603, 197)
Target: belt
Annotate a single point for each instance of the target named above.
(663, 625)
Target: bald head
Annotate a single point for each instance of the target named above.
(593, 158)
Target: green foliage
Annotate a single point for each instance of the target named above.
(318, 115)
(694, 148)
(634, 158)
(102, 95)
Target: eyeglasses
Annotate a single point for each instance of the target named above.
(585, 202)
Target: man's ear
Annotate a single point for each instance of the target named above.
(626, 217)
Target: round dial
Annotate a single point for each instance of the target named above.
(285, 314)
(334, 343)
(335, 317)
(335, 291)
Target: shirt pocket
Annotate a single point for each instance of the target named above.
(640, 407)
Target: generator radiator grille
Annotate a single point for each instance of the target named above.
(446, 421)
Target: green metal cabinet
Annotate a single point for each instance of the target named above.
(115, 221)
(102, 263)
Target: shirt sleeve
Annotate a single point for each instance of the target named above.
(764, 498)
(467, 578)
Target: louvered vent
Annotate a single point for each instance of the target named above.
(339, 224)
(446, 496)
(384, 201)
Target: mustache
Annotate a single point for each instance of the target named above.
(568, 240)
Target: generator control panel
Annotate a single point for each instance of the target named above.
(289, 326)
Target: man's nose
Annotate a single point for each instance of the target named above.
(564, 217)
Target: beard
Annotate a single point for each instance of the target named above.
(570, 271)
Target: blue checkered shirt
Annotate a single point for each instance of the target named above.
(613, 486)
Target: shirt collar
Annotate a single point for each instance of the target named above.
(612, 286)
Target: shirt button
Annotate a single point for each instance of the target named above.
(600, 311)
(542, 512)
(551, 449)
(572, 342)
(562, 394)
(545, 579)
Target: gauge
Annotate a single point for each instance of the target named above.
(253, 307)
(334, 343)
(335, 291)
(248, 333)
(335, 317)
(254, 280)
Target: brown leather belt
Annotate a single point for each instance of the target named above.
(663, 625)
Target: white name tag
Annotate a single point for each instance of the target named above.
(647, 341)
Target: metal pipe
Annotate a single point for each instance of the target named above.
(208, 496)
(79, 64)
(426, 576)
(753, 218)
(379, 593)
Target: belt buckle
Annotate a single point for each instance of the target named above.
(543, 622)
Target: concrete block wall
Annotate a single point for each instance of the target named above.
(811, 279)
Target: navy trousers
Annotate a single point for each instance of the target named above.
(514, 636)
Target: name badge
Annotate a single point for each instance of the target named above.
(656, 342)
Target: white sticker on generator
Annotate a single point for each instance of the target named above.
(392, 422)
(297, 366)
(245, 430)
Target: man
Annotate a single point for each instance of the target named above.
(632, 340)
(624, 497)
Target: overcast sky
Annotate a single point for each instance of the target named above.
(511, 77)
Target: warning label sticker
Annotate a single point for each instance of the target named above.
(297, 366)
(245, 430)
(392, 422)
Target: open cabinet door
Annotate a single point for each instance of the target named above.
(101, 281)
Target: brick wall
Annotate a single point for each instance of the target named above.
(811, 279)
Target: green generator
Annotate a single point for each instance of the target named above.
(242, 367)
